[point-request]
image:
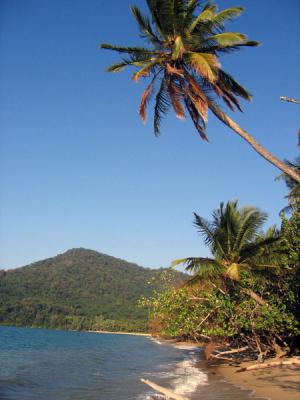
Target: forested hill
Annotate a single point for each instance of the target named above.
(79, 289)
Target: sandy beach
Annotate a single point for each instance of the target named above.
(275, 383)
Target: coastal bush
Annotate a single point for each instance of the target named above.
(199, 314)
(259, 310)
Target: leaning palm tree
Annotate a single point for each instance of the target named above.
(182, 62)
(236, 244)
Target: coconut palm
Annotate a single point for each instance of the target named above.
(182, 62)
(236, 244)
(293, 186)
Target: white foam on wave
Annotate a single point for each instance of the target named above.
(189, 377)
(185, 346)
(155, 340)
(183, 380)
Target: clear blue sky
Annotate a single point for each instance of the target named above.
(78, 168)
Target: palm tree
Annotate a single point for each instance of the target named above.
(183, 66)
(292, 185)
(236, 244)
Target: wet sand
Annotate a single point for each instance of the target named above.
(275, 383)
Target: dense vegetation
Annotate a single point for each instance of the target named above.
(246, 296)
(80, 289)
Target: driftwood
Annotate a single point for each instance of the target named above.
(222, 353)
(164, 391)
(295, 361)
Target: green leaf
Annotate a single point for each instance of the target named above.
(204, 64)
(207, 14)
(227, 14)
(228, 38)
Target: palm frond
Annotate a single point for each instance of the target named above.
(214, 49)
(204, 64)
(145, 27)
(199, 104)
(203, 268)
(176, 98)
(198, 121)
(232, 85)
(128, 50)
(261, 249)
(180, 9)
(206, 271)
(146, 97)
(232, 99)
(251, 221)
(117, 67)
(228, 39)
(163, 16)
(161, 107)
(189, 14)
(249, 43)
(145, 70)
(137, 60)
(206, 229)
(227, 14)
(196, 96)
(154, 14)
(206, 14)
(229, 99)
(225, 223)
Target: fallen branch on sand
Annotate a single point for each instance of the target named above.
(166, 392)
(294, 361)
(220, 354)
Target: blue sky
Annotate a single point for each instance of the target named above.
(79, 169)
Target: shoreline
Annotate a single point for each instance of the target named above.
(274, 383)
(122, 333)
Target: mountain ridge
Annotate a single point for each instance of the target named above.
(78, 289)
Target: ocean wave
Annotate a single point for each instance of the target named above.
(183, 379)
(189, 377)
(182, 346)
(154, 340)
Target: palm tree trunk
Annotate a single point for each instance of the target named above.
(256, 146)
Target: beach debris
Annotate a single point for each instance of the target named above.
(291, 361)
(168, 393)
(220, 354)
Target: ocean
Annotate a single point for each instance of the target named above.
(42, 364)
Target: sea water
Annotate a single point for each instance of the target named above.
(41, 364)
